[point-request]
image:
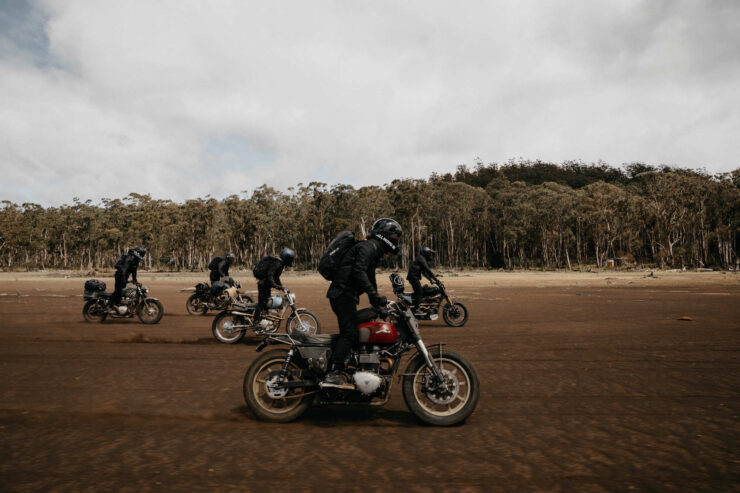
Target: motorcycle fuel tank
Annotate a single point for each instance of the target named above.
(378, 333)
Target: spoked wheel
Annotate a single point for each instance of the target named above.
(195, 306)
(94, 311)
(441, 403)
(244, 298)
(303, 322)
(266, 397)
(150, 311)
(226, 327)
(455, 314)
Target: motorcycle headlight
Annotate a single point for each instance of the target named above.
(292, 298)
(144, 289)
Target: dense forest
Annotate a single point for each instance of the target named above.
(521, 214)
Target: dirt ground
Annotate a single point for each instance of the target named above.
(589, 382)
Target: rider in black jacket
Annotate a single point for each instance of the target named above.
(273, 267)
(355, 276)
(418, 268)
(222, 268)
(126, 265)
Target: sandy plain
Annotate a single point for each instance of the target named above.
(590, 381)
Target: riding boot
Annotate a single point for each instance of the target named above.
(335, 379)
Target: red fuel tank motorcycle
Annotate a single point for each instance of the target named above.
(439, 386)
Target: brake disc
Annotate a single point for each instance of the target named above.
(438, 393)
(273, 387)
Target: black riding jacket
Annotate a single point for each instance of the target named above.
(356, 272)
(418, 267)
(274, 269)
(221, 270)
(126, 265)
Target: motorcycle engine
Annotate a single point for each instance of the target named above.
(367, 379)
(367, 382)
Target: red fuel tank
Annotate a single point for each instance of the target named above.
(378, 333)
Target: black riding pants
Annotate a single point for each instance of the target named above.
(345, 308)
(263, 294)
(418, 294)
(118, 289)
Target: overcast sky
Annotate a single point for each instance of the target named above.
(182, 99)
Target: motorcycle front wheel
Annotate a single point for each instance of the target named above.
(436, 404)
(194, 305)
(303, 322)
(94, 311)
(150, 311)
(455, 314)
(265, 397)
(223, 328)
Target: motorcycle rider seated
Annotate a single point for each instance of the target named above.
(420, 267)
(270, 268)
(220, 270)
(355, 276)
(126, 266)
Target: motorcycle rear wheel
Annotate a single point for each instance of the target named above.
(455, 314)
(95, 311)
(220, 328)
(150, 312)
(436, 408)
(272, 403)
(194, 306)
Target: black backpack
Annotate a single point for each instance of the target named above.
(94, 285)
(332, 257)
(214, 263)
(260, 270)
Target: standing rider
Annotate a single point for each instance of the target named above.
(268, 271)
(418, 268)
(355, 276)
(126, 265)
(221, 269)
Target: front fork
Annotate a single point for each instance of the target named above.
(430, 363)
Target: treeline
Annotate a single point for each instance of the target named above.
(516, 215)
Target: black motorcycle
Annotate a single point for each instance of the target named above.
(134, 299)
(440, 386)
(218, 297)
(454, 313)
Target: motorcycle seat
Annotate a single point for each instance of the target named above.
(317, 339)
(243, 306)
(406, 298)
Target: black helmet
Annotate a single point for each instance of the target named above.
(388, 231)
(139, 252)
(427, 252)
(287, 255)
(230, 257)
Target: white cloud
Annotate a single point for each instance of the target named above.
(138, 92)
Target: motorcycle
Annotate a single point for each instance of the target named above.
(440, 386)
(231, 325)
(205, 298)
(454, 313)
(134, 299)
